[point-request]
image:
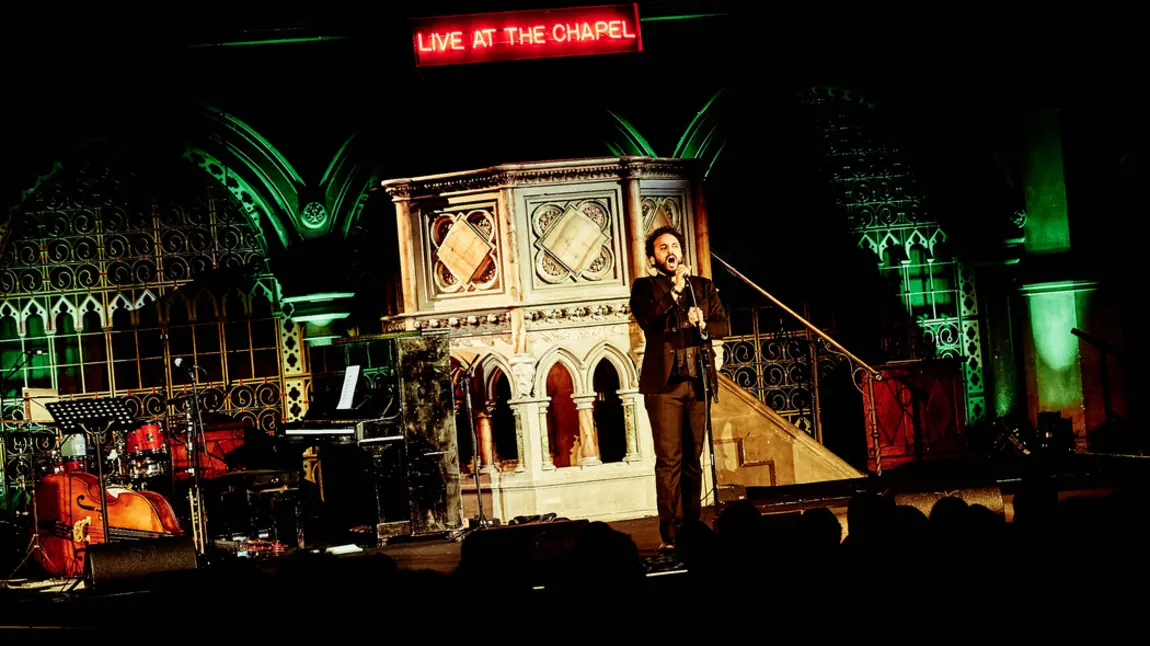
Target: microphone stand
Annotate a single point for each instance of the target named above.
(8, 375)
(34, 542)
(709, 391)
(481, 521)
(196, 500)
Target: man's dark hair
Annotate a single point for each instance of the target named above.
(660, 231)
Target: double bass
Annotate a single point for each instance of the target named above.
(70, 508)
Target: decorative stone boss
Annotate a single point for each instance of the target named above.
(528, 265)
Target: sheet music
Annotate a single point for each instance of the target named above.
(349, 380)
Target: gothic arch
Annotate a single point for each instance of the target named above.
(119, 302)
(272, 193)
(205, 307)
(66, 306)
(488, 366)
(235, 304)
(569, 361)
(125, 229)
(623, 364)
(145, 298)
(89, 304)
(346, 185)
(34, 308)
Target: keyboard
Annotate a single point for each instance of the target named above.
(341, 431)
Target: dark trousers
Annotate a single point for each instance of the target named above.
(677, 423)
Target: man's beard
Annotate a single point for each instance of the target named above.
(664, 269)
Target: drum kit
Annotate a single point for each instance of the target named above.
(140, 457)
(251, 511)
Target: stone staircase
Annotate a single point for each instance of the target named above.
(757, 447)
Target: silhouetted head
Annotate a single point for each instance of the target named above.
(868, 515)
(949, 513)
(739, 519)
(820, 528)
(910, 523)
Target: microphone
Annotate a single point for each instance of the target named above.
(694, 302)
(181, 362)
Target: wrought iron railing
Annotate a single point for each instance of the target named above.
(781, 366)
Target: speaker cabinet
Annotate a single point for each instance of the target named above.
(519, 554)
(124, 562)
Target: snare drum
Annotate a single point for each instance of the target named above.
(144, 467)
(148, 439)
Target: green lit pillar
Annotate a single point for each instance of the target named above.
(1053, 359)
(1057, 299)
(1047, 227)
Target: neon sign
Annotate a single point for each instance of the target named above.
(518, 35)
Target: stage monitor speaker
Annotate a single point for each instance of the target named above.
(519, 554)
(121, 563)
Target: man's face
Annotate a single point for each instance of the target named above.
(668, 253)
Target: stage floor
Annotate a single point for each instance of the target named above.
(442, 555)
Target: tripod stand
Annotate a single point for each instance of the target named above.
(480, 522)
(34, 542)
(34, 545)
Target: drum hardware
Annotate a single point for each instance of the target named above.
(147, 454)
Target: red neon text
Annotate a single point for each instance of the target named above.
(441, 42)
(527, 34)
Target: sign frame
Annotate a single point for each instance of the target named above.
(531, 34)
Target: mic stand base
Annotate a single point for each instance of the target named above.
(707, 395)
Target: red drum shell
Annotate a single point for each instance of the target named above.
(147, 439)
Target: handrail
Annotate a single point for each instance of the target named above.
(875, 374)
(1101, 344)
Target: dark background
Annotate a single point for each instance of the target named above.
(953, 82)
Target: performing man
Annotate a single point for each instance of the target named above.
(679, 315)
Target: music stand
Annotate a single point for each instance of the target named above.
(77, 416)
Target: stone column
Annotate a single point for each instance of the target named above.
(486, 441)
(633, 224)
(534, 449)
(520, 448)
(1053, 360)
(406, 255)
(631, 399)
(1057, 299)
(588, 437)
(545, 438)
(702, 231)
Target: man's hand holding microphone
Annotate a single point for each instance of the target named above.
(694, 315)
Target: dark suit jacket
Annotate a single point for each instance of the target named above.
(665, 326)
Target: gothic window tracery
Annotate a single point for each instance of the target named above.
(90, 274)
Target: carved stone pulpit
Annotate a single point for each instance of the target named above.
(527, 267)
